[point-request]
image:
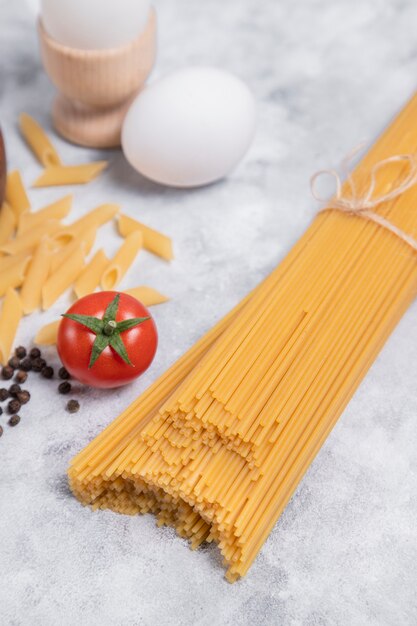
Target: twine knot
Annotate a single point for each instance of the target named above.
(364, 205)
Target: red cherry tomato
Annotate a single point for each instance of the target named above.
(119, 355)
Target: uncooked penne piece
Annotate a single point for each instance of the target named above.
(16, 194)
(122, 260)
(57, 210)
(94, 219)
(14, 276)
(90, 277)
(64, 253)
(38, 141)
(10, 316)
(27, 241)
(153, 241)
(35, 278)
(63, 278)
(56, 175)
(47, 335)
(8, 260)
(147, 295)
(7, 222)
(86, 240)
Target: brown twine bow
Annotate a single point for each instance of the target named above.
(363, 205)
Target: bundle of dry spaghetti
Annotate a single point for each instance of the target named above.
(217, 445)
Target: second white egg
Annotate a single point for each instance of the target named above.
(190, 128)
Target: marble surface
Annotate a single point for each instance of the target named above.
(326, 75)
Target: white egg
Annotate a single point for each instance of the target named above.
(189, 128)
(94, 24)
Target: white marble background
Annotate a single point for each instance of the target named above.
(326, 74)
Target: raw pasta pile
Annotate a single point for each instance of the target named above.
(43, 257)
(217, 445)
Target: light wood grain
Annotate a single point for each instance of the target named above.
(96, 87)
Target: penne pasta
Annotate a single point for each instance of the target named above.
(9, 260)
(86, 240)
(36, 276)
(57, 175)
(57, 210)
(14, 276)
(97, 217)
(90, 277)
(38, 141)
(147, 295)
(61, 255)
(63, 278)
(7, 222)
(10, 316)
(122, 260)
(28, 240)
(94, 219)
(47, 335)
(16, 194)
(153, 241)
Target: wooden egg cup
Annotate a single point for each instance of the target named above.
(96, 87)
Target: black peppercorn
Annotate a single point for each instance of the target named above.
(35, 353)
(21, 377)
(14, 420)
(14, 362)
(63, 373)
(1, 410)
(14, 389)
(20, 352)
(73, 406)
(13, 406)
(26, 364)
(38, 364)
(23, 396)
(4, 394)
(64, 387)
(1, 430)
(47, 371)
(7, 372)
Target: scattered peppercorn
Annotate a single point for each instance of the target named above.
(18, 366)
(73, 406)
(26, 364)
(20, 352)
(14, 389)
(13, 406)
(64, 387)
(14, 362)
(23, 396)
(21, 377)
(7, 372)
(47, 371)
(63, 373)
(35, 353)
(38, 364)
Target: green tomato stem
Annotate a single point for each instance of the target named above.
(109, 328)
